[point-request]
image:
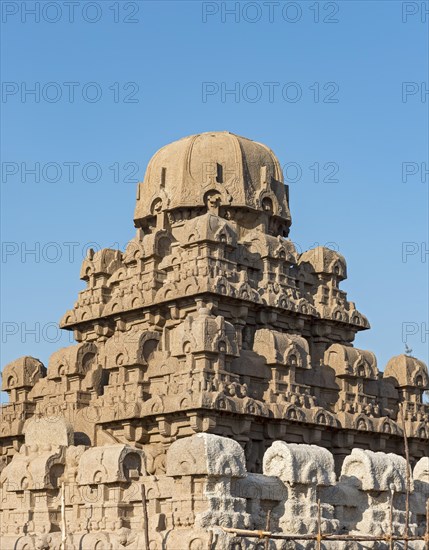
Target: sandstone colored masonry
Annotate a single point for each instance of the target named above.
(214, 368)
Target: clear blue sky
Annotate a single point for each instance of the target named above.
(336, 96)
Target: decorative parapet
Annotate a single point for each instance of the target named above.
(21, 374)
(371, 471)
(110, 464)
(300, 464)
(206, 454)
(205, 490)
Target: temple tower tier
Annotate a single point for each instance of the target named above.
(210, 324)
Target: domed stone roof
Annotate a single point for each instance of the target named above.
(220, 167)
(21, 373)
(407, 371)
(325, 260)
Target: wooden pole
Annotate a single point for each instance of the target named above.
(63, 517)
(427, 525)
(267, 528)
(319, 526)
(145, 517)
(280, 536)
(408, 479)
(392, 493)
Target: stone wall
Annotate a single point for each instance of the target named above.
(214, 371)
(205, 487)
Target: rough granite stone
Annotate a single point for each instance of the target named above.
(206, 454)
(209, 350)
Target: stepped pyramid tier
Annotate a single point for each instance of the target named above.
(210, 320)
(209, 325)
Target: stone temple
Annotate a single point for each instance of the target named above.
(213, 380)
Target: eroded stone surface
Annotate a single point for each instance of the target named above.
(206, 454)
(208, 350)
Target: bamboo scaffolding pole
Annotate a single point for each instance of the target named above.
(63, 518)
(392, 493)
(408, 477)
(280, 536)
(427, 525)
(267, 527)
(319, 526)
(145, 517)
